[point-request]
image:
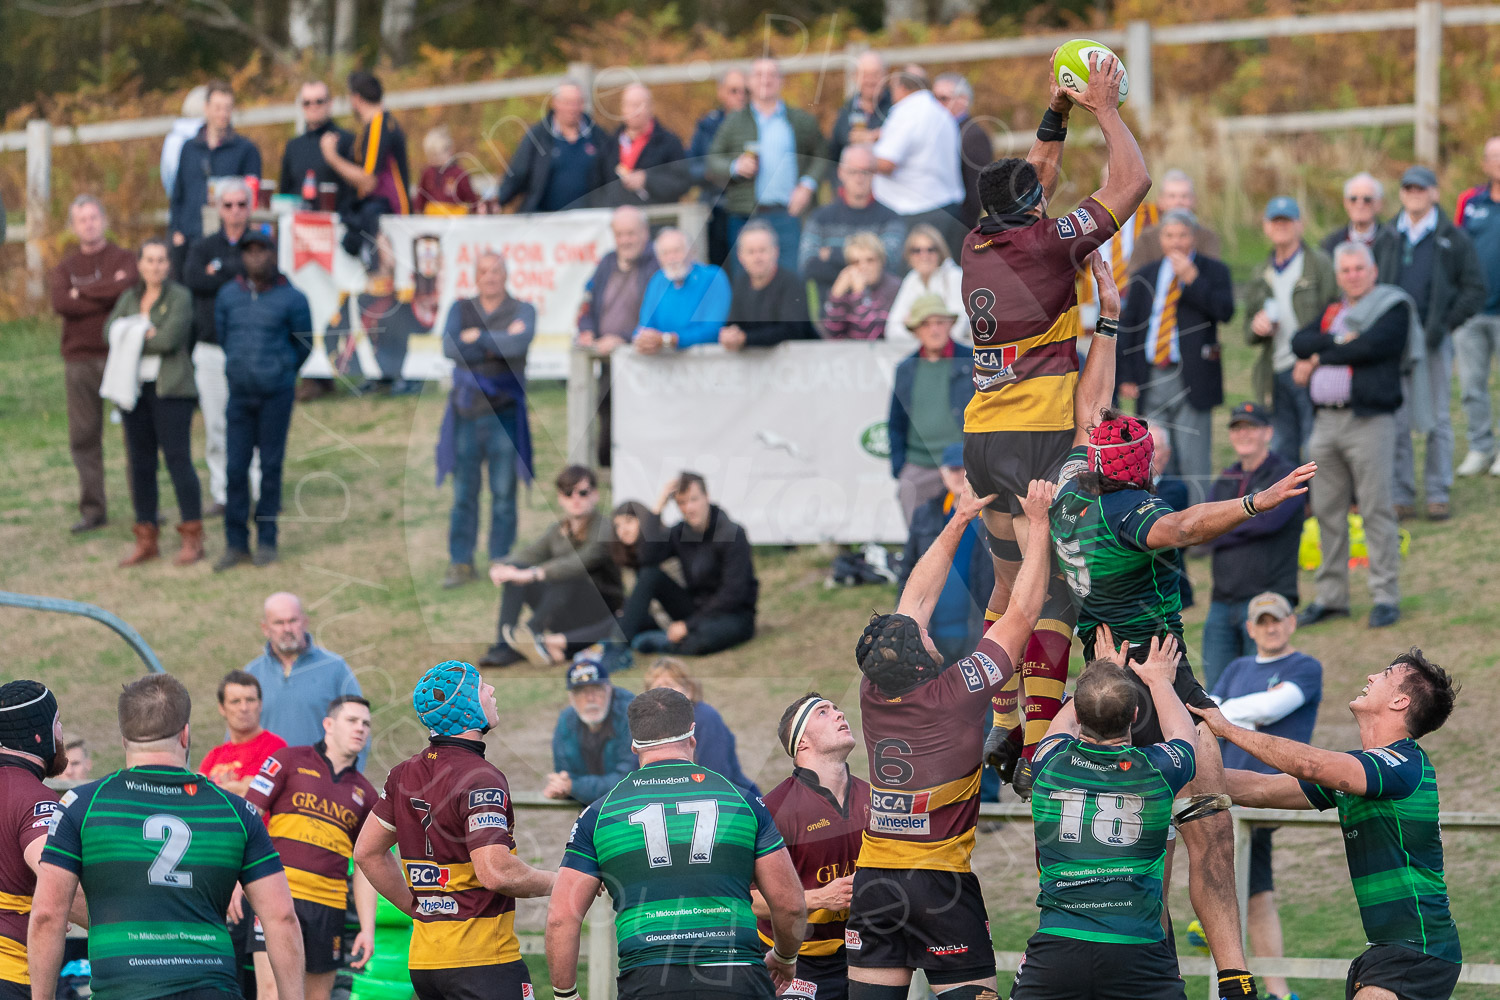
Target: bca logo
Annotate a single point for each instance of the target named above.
(422, 875)
(487, 797)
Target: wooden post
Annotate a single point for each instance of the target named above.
(1429, 74)
(602, 953)
(38, 204)
(1138, 65)
(583, 406)
(582, 73)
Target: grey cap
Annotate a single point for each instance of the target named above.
(1282, 207)
(1419, 176)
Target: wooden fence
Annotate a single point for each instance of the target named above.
(1138, 40)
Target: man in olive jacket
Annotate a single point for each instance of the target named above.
(1291, 290)
(770, 159)
(567, 577)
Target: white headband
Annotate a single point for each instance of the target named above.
(799, 724)
(638, 745)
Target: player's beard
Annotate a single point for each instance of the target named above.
(58, 764)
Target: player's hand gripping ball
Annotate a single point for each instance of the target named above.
(1071, 65)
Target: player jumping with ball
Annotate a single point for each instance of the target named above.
(1019, 291)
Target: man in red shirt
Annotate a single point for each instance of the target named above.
(821, 811)
(232, 764)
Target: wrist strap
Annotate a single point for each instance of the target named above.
(1248, 502)
(571, 993)
(783, 959)
(1054, 127)
(1106, 327)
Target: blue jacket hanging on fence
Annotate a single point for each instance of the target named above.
(489, 374)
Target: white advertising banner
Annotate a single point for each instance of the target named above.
(792, 440)
(550, 259)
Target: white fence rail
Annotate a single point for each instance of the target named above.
(1427, 19)
(601, 932)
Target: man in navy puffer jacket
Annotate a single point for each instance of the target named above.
(265, 328)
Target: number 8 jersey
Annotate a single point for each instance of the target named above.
(1102, 814)
(157, 851)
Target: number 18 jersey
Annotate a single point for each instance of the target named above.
(1102, 814)
(157, 851)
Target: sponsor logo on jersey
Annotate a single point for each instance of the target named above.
(422, 875)
(359, 796)
(1172, 753)
(990, 667)
(1086, 223)
(151, 788)
(271, 767)
(487, 821)
(309, 772)
(1391, 757)
(698, 777)
(947, 949)
(44, 809)
(983, 383)
(658, 781)
(898, 802)
(431, 906)
(851, 940)
(68, 798)
(825, 821)
(1125, 765)
(801, 988)
(526, 991)
(1072, 470)
(487, 797)
(1066, 229)
(1088, 765)
(910, 825)
(260, 783)
(970, 671)
(45, 823)
(191, 788)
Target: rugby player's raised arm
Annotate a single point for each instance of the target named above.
(1341, 772)
(1128, 180)
(1096, 384)
(1014, 628)
(1265, 791)
(1046, 152)
(927, 578)
(1204, 522)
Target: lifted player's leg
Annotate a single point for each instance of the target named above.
(1208, 834)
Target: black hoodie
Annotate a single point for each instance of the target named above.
(716, 566)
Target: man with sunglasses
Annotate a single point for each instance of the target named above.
(304, 154)
(1364, 201)
(566, 577)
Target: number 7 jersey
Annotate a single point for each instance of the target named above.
(1102, 814)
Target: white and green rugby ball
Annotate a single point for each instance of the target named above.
(1071, 65)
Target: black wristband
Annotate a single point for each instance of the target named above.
(1106, 327)
(1054, 127)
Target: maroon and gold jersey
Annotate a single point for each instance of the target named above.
(441, 804)
(1020, 293)
(824, 842)
(26, 807)
(925, 748)
(313, 816)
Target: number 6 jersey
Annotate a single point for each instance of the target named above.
(1102, 814)
(157, 851)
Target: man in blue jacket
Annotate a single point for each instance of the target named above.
(216, 151)
(591, 744)
(264, 326)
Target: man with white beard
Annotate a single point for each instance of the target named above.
(591, 744)
(686, 303)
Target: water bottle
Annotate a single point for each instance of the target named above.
(310, 191)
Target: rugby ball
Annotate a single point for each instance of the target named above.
(1071, 65)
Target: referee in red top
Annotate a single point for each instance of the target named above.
(1019, 286)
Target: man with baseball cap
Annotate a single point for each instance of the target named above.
(591, 744)
(1292, 289)
(1257, 556)
(1276, 690)
(1434, 262)
(31, 748)
(265, 328)
(449, 812)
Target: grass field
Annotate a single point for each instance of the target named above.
(363, 542)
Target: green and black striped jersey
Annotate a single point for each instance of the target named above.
(1394, 845)
(1102, 814)
(157, 851)
(676, 845)
(1116, 578)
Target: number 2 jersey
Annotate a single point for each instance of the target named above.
(1020, 292)
(925, 747)
(26, 807)
(157, 851)
(1394, 845)
(441, 804)
(1117, 579)
(676, 845)
(1102, 814)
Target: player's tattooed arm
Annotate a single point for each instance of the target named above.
(1329, 768)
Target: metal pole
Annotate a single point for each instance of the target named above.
(1138, 64)
(38, 204)
(1429, 74)
(98, 614)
